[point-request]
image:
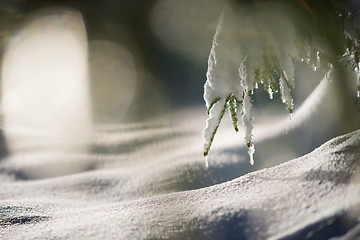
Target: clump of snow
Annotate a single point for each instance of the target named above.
(262, 40)
(212, 124)
(286, 94)
(247, 119)
(237, 45)
(251, 152)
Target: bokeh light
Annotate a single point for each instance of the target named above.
(113, 80)
(45, 87)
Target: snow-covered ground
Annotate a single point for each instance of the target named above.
(149, 181)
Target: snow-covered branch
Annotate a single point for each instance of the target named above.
(257, 44)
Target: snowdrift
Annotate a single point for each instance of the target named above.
(150, 182)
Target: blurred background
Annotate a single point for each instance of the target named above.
(148, 59)
(168, 40)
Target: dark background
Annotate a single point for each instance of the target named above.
(178, 79)
(181, 79)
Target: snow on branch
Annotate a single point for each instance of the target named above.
(256, 44)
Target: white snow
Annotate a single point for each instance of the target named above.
(243, 74)
(286, 94)
(251, 152)
(238, 45)
(212, 123)
(166, 193)
(247, 119)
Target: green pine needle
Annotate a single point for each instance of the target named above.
(212, 104)
(233, 104)
(208, 146)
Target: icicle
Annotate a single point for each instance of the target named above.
(286, 94)
(247, 83)
(251, 151)
(206, 162)
(247, 119)
(271, 93)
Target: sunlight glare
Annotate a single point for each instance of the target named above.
(45, 80)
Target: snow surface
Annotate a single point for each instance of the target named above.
(149, 182)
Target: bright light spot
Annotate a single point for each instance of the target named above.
(186, 26)
(45, 81)
(113, 80)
